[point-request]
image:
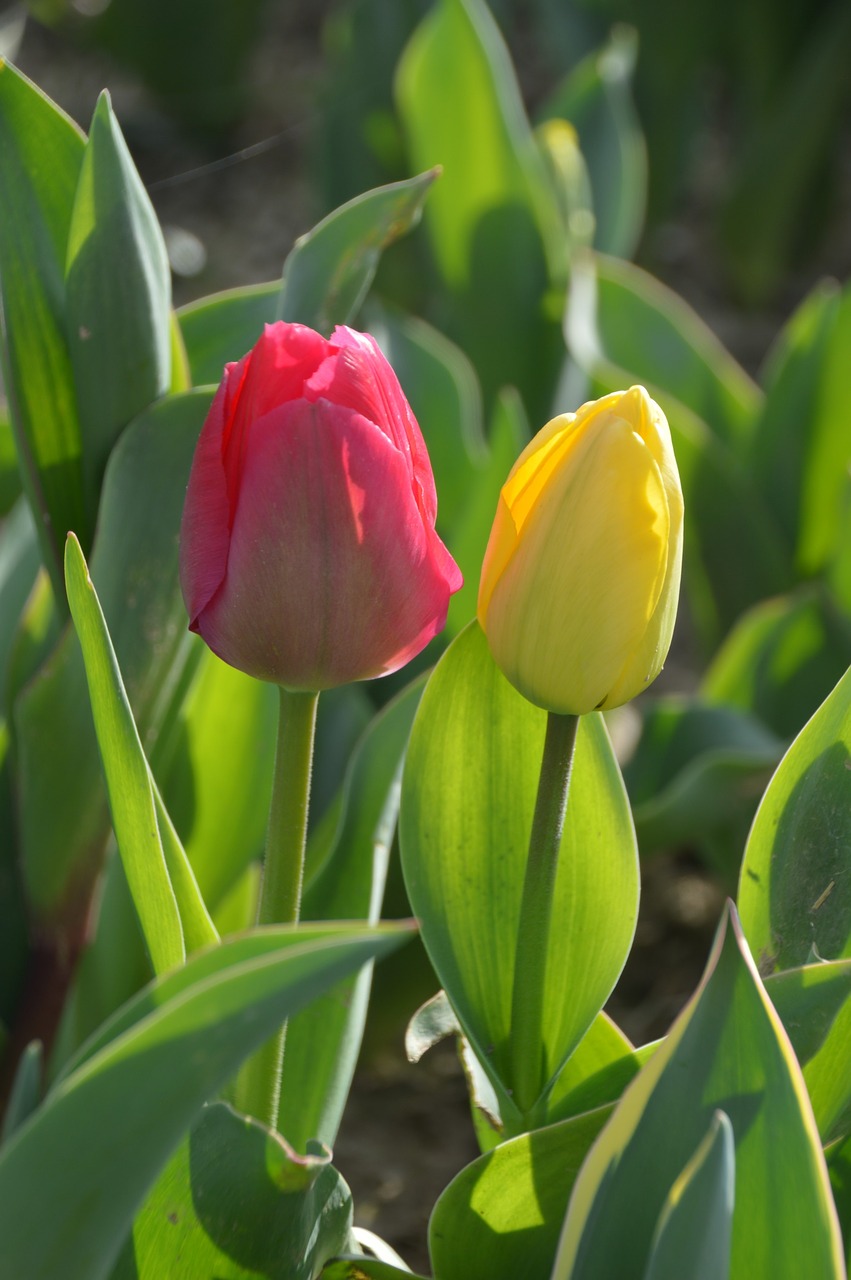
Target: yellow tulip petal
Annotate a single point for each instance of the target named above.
(585, 577)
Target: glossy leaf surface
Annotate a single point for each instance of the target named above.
(41, 152)
(468, 795)
(202, 1021)
(726, 1051)
(794, 892)
(236, 1202)
(330, 268)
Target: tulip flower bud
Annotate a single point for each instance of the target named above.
(308, 552)
(581, 576)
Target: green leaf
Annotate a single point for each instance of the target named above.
(236, 1201)
(696, 1221)
(19, 564)
(624, 327)
(215, 771)
(106, 1129)
(62, 808)
(128, 778)
(468, 795)
(323, 1042)
(502, 1214)
(596, 97)
(118, 301)
(222, 327)
(619, 315)
(468, 537)
(443, 391)
(41, 152)
(597, 1072)
(10, 478)
(794, 892)
(839, 1165)
(781, 659)
(26, 1090)
(726, 1051)
(695, 778)
(330, 269)
(787, 423)
(493, 221)
(813, 1003)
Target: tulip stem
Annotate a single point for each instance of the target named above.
(530, 961)
(259, 1083)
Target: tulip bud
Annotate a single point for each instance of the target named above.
(581, 576)
(308, 552)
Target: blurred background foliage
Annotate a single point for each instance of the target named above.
(587, 152)
(629, 192)
(743, 106)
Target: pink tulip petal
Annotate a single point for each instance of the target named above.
(332, 575)
(283, 359)
(362, 378)
(205, 524)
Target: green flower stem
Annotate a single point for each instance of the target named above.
(259, 1084)
(530, 962)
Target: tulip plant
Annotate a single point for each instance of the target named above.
(234, 634)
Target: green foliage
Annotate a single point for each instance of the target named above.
(700, 1154)
(726, 1053)
(468, 795)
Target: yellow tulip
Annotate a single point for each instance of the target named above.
(580, 581)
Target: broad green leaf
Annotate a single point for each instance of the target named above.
(26, 1090)
(62, 806)
(128, 778)
(443, 391)
(237, 1202)
(19, 564)
(596, 98)
(118, 301)
(323, 1042)
(467, 800)
(839, 1165)
(597, 1071)
(41, 152)
(10, 476)
(619, 315)
(794, 892)
(694, 1227)
(91, 1155)
(330, 269)
(502, 1214)
(468, 537)
(222, 327)
(216, 772)
(785, 426)
(726, 1051)
(814, 1006)
(781, 659)
(825, 490)
(492, 221)
(695, 779)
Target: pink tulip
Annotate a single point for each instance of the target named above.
(308, 553)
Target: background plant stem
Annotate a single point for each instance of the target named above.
(259, 1084)
(536, 909)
